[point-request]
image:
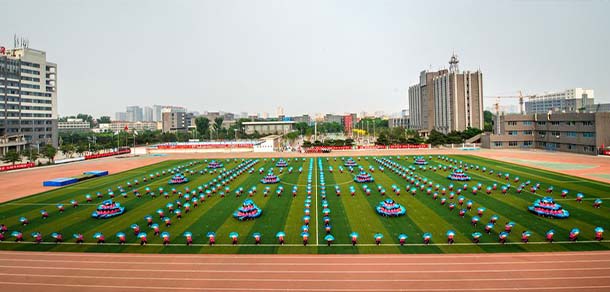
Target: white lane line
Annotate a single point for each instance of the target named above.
(319, 264)
(262, 279)
(108, 287)
(257, 271)
(315, 256)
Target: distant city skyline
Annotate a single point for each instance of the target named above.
(306, 57)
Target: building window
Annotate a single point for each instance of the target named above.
(589, 148)
(512, 123)
(556, 134)
(542, 133)
(571, 134)
(527, 132)
(571, 123)
(541, 123)
(513, 143)
(555, 123)
(512, 133)
(527, 123)
(527, 143)
(588, 134)
(498, 143)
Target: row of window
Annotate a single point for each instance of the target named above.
(26, 115)
(34, 65)
(33, 79)
(567, 134)
(514, 143)
(28, 71)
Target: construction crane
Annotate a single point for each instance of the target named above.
(521, 98)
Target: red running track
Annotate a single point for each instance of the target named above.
(558, 271)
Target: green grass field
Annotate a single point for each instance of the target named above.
(348, 213)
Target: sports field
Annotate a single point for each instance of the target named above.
(347, 213)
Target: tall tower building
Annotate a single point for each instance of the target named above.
(28, 89)
(447, 100)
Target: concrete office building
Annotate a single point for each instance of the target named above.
(570, 100)
(175, 120)
(74, 125)
(269, 127)
(570, 132)
(147, 114)
(134, 113)
(120, 116)
(28, 93)
(447, 100)
(400, 122)
(598, 107)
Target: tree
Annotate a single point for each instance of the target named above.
(203, 126)
(104, 120)
(49, 152)
(488, 119)
(436, 138)
(30, 154)
(11, 156)
(67, 149)
(80, 149)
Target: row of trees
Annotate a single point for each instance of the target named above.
(47, 151)
(329, 142)
(403, 136)
(456, 137)
(87, 118)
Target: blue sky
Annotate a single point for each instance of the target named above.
(306, 56)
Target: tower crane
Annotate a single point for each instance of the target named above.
(521, 98)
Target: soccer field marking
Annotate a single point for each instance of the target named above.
(317, 223)
(106, 287)
(305, 280)
(300, 271)
(45, 204)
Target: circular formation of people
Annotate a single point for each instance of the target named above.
(451, 196)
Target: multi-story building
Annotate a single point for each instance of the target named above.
(348, 122)
(302, 119)
(176, 120)
(134, 113)
(570, 100)
(447, 100)
(148, 114)
(120, 116)
(269, 127)
(28, 93)
(570, 132)
(74, 125)
(115, 126)
(598, 107)
(330, 118)
(400, 122)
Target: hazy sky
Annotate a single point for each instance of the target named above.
(306, 56)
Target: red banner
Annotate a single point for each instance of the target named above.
(17, 166)
(606, 152)
(204, 146)
(107, 154)
(319, 149)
